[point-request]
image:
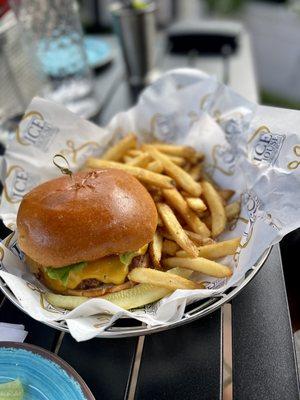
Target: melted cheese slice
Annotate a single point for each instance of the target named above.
(106, 269)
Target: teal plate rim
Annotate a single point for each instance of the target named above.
(54, 358)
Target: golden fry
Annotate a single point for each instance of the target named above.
(233, 210)
(140, 161)
(214, 202)
(134, 152)
(182, 178)
(177, 160)
(215, 250)
(226, 194)
(162, 279)
(155, 249)
(169, 247)
(127, 159)
(166, 234)
(159, 221)
(199, 239)
(175, 150)
(149, 177)
(155, 166)
(199, 264)
(176, 201)
(196, 204)
(200, 156)
(196, 172)
(175, 229)
(118, 150)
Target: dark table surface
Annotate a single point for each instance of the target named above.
(186, 362)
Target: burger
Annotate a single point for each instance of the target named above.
(81, 235)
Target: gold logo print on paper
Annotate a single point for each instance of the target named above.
(214, 166)
(43, 302)
(30, 114)
(260, 129)
(5, 191)
(295, 164)
(73, 151)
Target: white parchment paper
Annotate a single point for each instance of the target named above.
(252, 149)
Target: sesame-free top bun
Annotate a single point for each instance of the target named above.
(99, 213)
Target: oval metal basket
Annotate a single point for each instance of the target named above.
(125, 327)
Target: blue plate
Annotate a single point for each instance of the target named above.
(44, 375)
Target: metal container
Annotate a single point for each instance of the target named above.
(136, 32)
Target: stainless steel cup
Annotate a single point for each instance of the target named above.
(136, 32)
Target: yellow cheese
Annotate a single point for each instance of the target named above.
(106, 269)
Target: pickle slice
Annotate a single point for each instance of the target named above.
(143, 293)
(67, 302)
(11, 390)
(137, 296)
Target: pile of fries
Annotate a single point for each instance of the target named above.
(192, 210)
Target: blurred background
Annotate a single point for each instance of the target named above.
(273, 25)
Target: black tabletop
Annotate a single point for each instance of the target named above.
(186, 362)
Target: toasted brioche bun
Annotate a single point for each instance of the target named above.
(99, 213)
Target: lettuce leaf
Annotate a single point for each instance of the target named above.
(126, 258)
(62, 274)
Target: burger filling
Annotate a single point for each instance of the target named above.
(110, 270)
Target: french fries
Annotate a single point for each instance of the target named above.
(233, 210)
(196, 204)
(182, 178)
(192, 212)
(176, 200)
(199, 264)
(175, 150)
(155, 249)
(175, 229)
(118, 150)
(214, 202)
(162, 279)
(155, 166)
(196, 172)
(198, 239)
(169, 247)
(176, 159)
(140, 161)
(127, 159)
(226, 194)
(159, 221)
(149, 177)
(215, 250)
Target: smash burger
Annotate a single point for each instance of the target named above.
(81, 236)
